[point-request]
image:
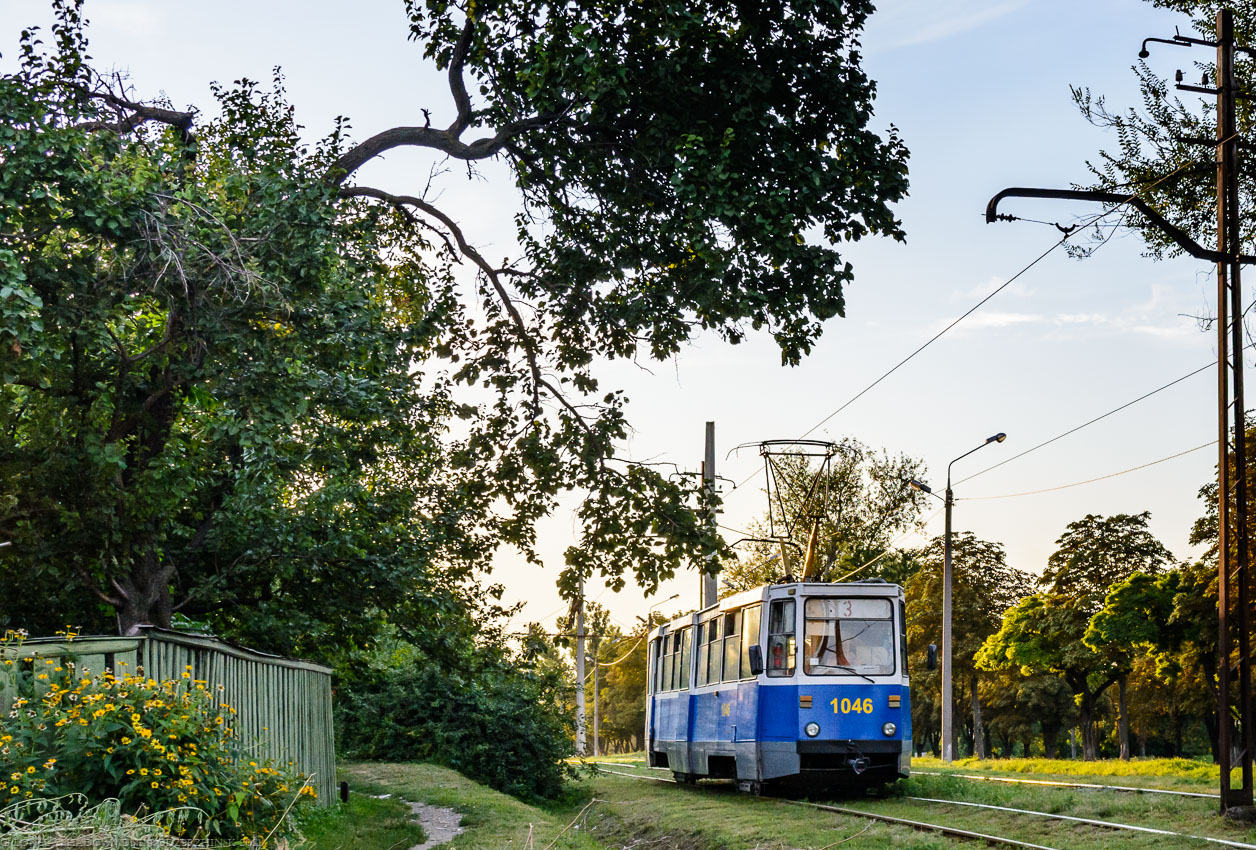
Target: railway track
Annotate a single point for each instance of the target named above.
(970, 835)
(1133, 789)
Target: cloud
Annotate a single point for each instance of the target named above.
(1131, 321)
(911, 22)
(981, 290)
(980, 320)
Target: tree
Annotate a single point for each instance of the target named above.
(1045, 632)
(240, 384)
(1020, 707)
(983, 586)
(868, 503)
(1172, 617)
(624, 694)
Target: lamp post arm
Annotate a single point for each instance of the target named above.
(1175, 233)
(961, 457)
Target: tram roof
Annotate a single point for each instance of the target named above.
(756, 594)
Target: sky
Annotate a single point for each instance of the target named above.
(980, 92)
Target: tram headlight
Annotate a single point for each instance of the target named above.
(812, 729)
(888, 730)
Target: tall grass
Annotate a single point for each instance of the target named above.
(67, 823)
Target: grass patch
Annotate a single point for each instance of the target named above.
(492, 820)
(364, 822)
(1177, 771)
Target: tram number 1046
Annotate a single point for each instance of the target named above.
(849, 706)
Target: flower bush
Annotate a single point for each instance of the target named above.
(156, 746)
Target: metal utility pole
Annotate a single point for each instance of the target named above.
(709, 592)
(580, 748)
(1229, 288)
(1232, 533)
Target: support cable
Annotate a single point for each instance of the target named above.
(1089, 480)
(1090, 422)
(1080, 227)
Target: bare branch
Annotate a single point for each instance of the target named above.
(526, 342)
(139, 113)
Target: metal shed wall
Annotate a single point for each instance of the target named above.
(283, 706)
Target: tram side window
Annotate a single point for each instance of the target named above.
(781, 630)
(684, 658)
(749, 636)
(732, 646)
(651, 667)
(714, 651)
(667, 662)
(700, 675)
(679, 676)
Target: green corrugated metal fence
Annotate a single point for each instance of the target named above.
(281, 703)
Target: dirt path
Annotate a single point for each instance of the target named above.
(441, 825)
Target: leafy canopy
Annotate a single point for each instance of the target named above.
(241, 385)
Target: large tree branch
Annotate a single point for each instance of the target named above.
(445, 141)
(457, 85)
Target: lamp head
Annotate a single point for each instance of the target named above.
(1143, 54)
(920, 485)
(997, 438)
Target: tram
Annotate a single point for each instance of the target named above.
(795, 684)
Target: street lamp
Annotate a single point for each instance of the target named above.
(648, 619)
(948, 709)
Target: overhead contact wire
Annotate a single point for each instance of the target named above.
(1089, 480)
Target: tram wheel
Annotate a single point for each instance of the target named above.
(684, 778)
(751, 787)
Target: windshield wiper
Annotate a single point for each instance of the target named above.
(853, 670)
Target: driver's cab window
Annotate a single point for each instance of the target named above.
(781, 630)
(847, 637)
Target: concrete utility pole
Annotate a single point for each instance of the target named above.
(597, 645)
(1232, 509)
(709, 592)
(580, 748)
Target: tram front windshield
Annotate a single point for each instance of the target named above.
(848, 637)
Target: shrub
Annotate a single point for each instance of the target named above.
(154, 746)
(497, 723)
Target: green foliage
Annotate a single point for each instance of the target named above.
(488, 714)
(1096, 552)
(237, 385)
(623, 692)
(983, 586)
(227, 372)
(692, 156)
(156, 747)
(868, 503)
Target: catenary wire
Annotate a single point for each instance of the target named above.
(1089, 480)
(1090, 422)
(978, 305)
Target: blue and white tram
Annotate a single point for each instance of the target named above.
(802, 683)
